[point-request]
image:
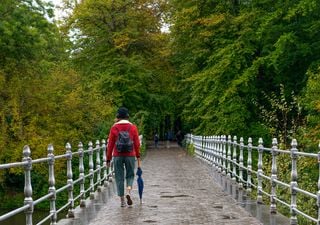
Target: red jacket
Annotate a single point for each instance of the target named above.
(113, 135)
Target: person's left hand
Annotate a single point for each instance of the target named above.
(139, 162)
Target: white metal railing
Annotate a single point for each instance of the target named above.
(98, 174)
(222, 153)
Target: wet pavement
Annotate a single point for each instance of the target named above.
(178, 189)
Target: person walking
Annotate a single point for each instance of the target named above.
(123, 147)
(179, 137)
(156, 140)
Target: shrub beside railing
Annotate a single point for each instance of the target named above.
(226, 155)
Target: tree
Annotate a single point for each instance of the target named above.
(120, 45)
(29, 44)
(232, 52)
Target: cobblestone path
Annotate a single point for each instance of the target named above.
(178, 190)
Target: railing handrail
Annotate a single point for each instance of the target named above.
(221, 152)
(96, 170)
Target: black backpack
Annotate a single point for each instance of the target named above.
(124, 142)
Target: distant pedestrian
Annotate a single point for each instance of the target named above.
(156, 140)
(124, 148)
(179, 138)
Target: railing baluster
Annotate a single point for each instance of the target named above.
(98, 167)
(52, 183)
(260, 171)
(91, 169)
(206, 154)
(234, 159)
(241, 164)
(213, 149)
(81, 176)
(224, 155)
(203, 139)
(249, 166)
(104, 160)
(294, 183)
(205, 148)
(27, 184)
(70, 180)
(211, 146)
(273, 206)
(229, 156)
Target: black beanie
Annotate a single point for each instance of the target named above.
(122, 113)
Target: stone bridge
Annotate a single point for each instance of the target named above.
(178, 189)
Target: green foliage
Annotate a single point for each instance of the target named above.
(311, 102)
(43, 100)
(282, 115)
(128, 55)
(190, 150)
(235, 55)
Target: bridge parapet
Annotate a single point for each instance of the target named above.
(98, 175)
(227, 157)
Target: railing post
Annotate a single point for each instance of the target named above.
(108, 169)
(104, 159)
(205, 147)
(205, 150)
(260, 171)
(241, 164)
(52, 188)
(229, 156)
(202, 144)
(70, 180)
(91, 170)
(81, 176)
(203, 153)
(234, 159)
(211, 150)
(191, 139)
(294, 183)
(98, 167)
(318, 193)
(224, 155)
(27, 184)
(214, 152)
(273, 206)
(249, 164)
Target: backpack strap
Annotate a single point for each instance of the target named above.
(127, 130)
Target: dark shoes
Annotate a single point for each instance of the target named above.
(123, 203)
(129, 201)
